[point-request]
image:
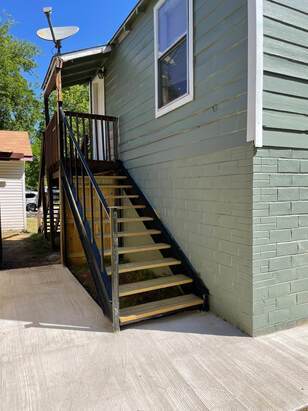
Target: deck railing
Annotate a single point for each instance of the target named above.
(97, 135)
(51, 151)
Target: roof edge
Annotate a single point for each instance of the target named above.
(139, 7)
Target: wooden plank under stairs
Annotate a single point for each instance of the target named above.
(153, 284)
(139, 249)
(158, 308)
(145, 265)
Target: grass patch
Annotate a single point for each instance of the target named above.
(32, 225)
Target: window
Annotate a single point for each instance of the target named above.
(173, 54)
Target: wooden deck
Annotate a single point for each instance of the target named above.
(57, 352)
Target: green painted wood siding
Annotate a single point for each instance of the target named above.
(215, 119)
(285, 97)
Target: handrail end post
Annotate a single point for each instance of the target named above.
(115, 270)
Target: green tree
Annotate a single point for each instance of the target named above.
(19, 107)
(33, 167)
(76, 98)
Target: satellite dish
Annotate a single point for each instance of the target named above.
(60, 33)
(55, 34)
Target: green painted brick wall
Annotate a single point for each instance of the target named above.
(206, 203)
(280, 238)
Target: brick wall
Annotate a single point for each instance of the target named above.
(280, 238)
(206, 203)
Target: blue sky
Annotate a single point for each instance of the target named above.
(97, 20)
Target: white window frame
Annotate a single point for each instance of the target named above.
(189, 96)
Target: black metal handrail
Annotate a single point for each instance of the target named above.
(77, 177)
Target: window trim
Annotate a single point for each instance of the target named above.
(189, 96)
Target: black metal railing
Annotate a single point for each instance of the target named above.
(88, 203)
(97, 135)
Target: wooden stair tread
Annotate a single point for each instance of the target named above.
(114, 185)
(137, 233)
(127, 207)
(139, 249)
(120, 220)
(154, 284)
(156, 308)
(110, 176)
(131, 220)
(124, 196)
(145, 265)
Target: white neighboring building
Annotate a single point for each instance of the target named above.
(15, 149)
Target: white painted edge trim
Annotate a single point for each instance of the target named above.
(85, 53)
(190, 33)
(255, 73)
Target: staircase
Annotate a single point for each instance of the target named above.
(138, 269)
(146, 247)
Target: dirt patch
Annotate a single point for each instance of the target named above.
(27, 250)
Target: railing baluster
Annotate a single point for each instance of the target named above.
(103, 139)
(108, 156)
(84, 204)
(90, 139)
(115, 138)
(65, 145)
(92, 209)
(115, 270)
(96, 139)
(83, 138)
(101, 228)
(71, 160)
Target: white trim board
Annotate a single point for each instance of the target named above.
(255, 73)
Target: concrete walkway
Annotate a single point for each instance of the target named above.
(57, 352)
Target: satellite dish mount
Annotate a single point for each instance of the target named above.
(55, 34)
(47, 11)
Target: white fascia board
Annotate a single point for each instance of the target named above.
(85, 53)
(255, 73)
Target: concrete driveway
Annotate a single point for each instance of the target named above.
(57, 352)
